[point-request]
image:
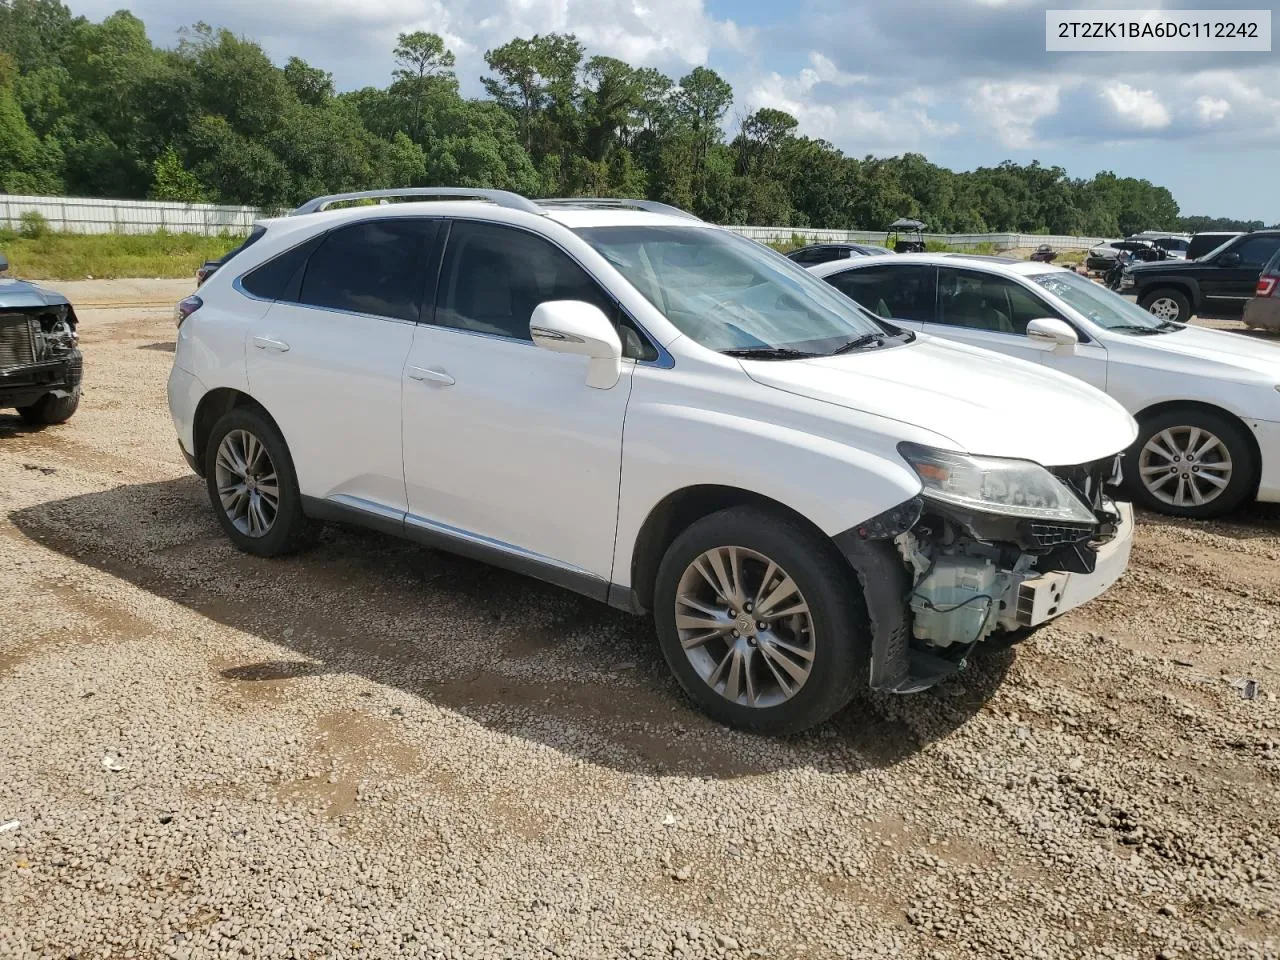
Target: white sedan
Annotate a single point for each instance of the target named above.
(1207, 401)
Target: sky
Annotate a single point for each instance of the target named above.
(967, 83)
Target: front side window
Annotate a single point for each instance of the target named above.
(903, 291)
(983, 301)
(1256, 251)
(494, 276)
(729, 293)
(1103, 307)
(377, 267)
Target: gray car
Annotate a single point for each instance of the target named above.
(40, 362)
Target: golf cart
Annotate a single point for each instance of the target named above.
(913, 227)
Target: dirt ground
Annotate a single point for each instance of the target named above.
(374, 750)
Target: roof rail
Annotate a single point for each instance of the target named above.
(652, 206)
(503, 198)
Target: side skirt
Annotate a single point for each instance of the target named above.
(437, 536)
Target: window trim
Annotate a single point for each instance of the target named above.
(664, 359)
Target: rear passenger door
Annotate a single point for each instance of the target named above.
(326, 359)
(901, 292)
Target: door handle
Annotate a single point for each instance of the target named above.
(431, 376)
(267, 343)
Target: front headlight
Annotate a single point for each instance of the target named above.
(1015, 488)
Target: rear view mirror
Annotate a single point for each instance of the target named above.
(1052, 330)
(575, 326)
(1229, 259)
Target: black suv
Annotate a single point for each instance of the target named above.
(40, 364)
(1217, 285)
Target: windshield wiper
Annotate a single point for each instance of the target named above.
(769, 353)
(1138, 328)
(858, 342)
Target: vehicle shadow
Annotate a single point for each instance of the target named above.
(514, 654)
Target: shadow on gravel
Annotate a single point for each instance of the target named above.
(518, 656)
(11, 425)
(1253, 521)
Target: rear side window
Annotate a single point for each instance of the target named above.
(894, 292)
(377, 267)
(280, 277)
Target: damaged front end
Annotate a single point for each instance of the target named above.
(990, 547)
(39, 352)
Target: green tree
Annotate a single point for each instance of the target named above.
(172, 181)
(310, 85)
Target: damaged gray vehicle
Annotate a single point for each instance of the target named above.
(40, 362)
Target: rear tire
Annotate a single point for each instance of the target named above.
(803, 666)
(1168, 304)
(252, 485)
(1191, 463)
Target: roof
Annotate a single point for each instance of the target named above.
(1003, 265)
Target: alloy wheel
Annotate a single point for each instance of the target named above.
(247, 483)
(745, 626)
(1185, 466)
(1164, 308)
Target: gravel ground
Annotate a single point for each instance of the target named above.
(373, 750)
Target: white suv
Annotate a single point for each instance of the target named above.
(623, 400)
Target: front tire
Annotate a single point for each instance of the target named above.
(1191, 463)
(759, 619)
(252, 484)
(49, 409)
(1168, 304)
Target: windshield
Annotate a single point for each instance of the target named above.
(1106, 309)
(730, 293)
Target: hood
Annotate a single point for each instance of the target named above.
(1161, 266)
(1199, 344)
(18, 294)
(983, 402)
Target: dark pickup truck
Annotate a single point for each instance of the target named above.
(1218, 284)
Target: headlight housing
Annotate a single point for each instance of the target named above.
(1013, 488)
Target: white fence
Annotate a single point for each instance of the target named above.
(962, 241)
(84, 215)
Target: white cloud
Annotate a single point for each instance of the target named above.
(1212, 109)
(1012, 108)
(1141, 108)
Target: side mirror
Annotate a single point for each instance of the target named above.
(4, 264)
(1053, 331)
(574, 326)
(1229, 259)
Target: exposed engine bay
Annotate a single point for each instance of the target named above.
(974, 574)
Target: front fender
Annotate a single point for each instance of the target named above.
(668, 447)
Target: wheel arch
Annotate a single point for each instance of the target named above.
(1167, 406)
(1186, 285)
(675, 513)
(212, 406)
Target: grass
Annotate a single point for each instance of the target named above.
(72, 256)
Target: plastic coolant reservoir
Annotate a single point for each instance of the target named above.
(954, 581)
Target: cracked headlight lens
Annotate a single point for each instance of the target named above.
(1015, 488)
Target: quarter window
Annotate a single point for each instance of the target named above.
(377, 267)
(493, 277)
(897, 292)
(280, 277)
(983, 301)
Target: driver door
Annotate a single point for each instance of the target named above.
(992, 312)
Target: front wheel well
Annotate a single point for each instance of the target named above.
(676, 512)
(1188, 290)
(1173, 405)
(212, 407)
